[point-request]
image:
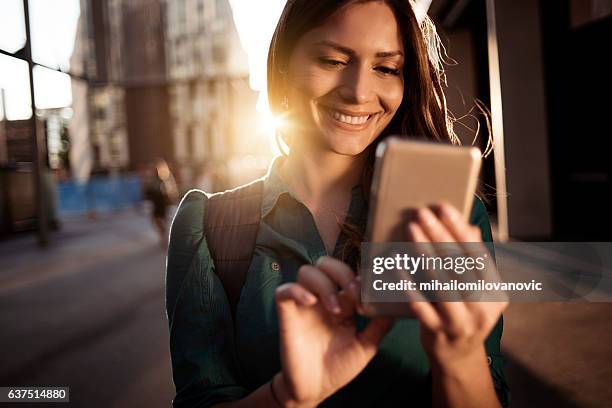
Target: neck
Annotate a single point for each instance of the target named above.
(322, 178)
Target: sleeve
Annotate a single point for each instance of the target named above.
(480, 218)
(200, 325)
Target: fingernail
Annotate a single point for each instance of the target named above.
(334, 305)
(309, 298)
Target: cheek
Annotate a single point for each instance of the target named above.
(393, 94)
(312, 82)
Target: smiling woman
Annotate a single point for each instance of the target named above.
(344, 84)
(342, 75)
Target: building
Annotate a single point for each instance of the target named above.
(120, 90)
(140, 33)
(537, 65)
(98, 129)
(164, 79)
(208, 89)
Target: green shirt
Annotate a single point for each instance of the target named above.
(213, 363)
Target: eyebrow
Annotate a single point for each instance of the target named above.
(348, 51)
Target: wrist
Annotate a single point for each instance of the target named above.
(464, 381)
(281, 395)
(462, 365)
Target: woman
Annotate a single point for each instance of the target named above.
(344, 75)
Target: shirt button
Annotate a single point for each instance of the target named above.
(275, 266)
(489, 360)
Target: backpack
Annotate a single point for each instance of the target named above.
(231, 221)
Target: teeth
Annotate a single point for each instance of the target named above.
(352, 120)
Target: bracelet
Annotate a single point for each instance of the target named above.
(274, 396)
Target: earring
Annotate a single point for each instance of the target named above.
(285, 103)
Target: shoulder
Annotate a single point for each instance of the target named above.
(187, 226)
(186, 237)
(186, 233)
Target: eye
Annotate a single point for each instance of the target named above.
(331, 62)
(389, 71)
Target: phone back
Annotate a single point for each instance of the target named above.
(411, 174)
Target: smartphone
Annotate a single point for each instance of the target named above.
(409, 174)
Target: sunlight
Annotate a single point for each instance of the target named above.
(255, 23)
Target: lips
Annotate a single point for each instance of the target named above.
(349, 119)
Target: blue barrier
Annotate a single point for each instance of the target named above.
(99, 194)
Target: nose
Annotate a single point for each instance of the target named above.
(357, 85)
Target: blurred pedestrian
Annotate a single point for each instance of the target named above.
(161, 190)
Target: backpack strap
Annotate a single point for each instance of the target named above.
(231, 222)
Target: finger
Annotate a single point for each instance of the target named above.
(470, 238)
(317, 282)
(432, 226)
(415, 233)
(335, 269)
(293, 292)
(452, 219)
(421, 246)
(350, 297)
(357, 294)
(427, 315)
(371, 336)
(484, 270)
(354, 289)
(461, 232)
(342, 274)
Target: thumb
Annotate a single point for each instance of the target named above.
(374, 332)
(293, 293)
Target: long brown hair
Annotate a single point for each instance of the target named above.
(423, 112)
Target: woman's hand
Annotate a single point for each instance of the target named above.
(321, 350)
(453, 333)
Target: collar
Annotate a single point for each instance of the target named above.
(274, 187)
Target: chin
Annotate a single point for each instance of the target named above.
(348, 145)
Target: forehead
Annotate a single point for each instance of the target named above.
(363, 27)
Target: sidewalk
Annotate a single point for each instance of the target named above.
(558, 354)
(88, 312)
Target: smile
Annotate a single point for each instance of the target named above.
(349, 121)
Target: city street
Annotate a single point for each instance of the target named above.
(88, 312)
(110, 109)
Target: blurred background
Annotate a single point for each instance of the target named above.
(110, 110)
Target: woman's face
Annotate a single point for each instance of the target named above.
(345, 78)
